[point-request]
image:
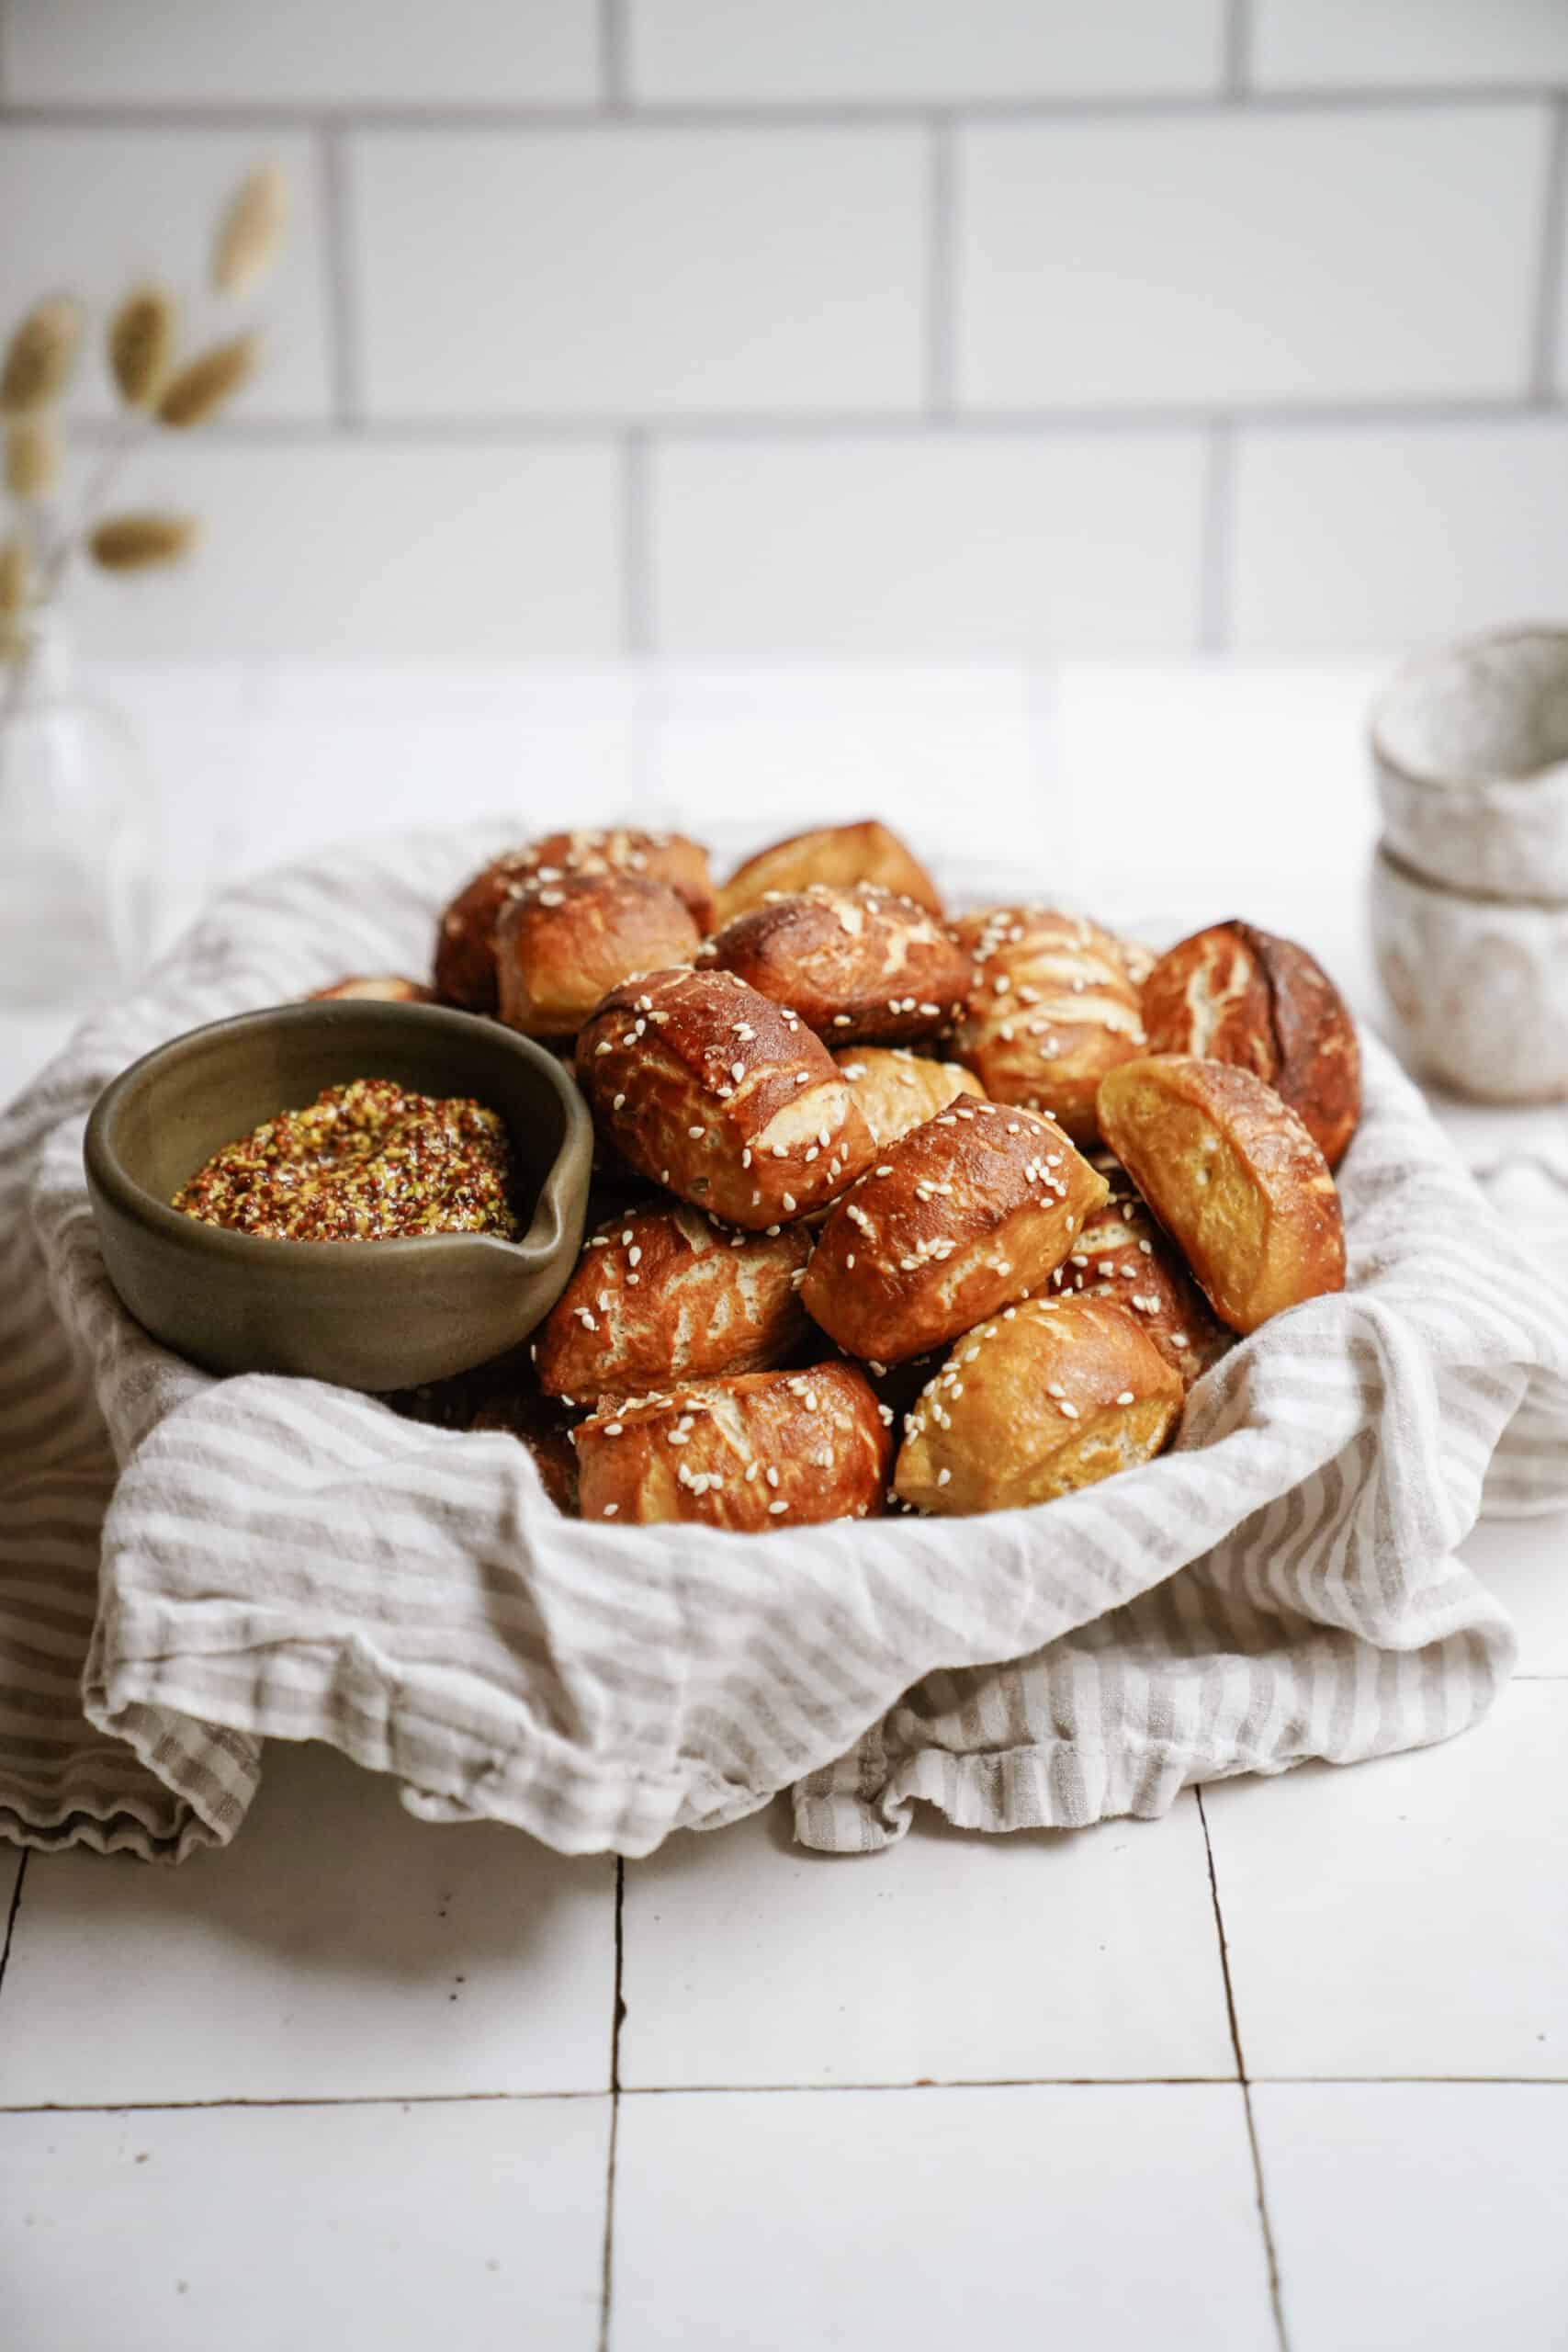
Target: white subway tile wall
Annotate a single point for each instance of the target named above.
(864, 328)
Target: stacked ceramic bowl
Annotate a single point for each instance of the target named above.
(1470, 884)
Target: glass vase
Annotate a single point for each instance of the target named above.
(76, 830)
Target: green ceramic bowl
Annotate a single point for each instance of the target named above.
(370, 1315)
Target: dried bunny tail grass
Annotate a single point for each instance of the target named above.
(14, 570)
(40, 358)
(33, 452)
(209, 381)
(141, 344)
(251, 232)
(132, 542)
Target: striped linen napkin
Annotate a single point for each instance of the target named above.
(189, 1566)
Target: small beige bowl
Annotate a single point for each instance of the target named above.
(372, 1315)
(1479, 986)
(1470, 751)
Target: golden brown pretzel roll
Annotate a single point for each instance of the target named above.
(543, 1430)
(464, 962)
(1051, 1011)
(562, 946)
(899, 1090)
(840, 855)
(1120, 1253)
(664, 1294)
(1234, 1176)
(374, 988)
(721, 1096)
(968, 1213)
(1051, 1395)
(770, 1449)
(853, 963)
(1237, 994)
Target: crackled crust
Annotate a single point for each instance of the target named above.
(1234, 1178)
(899, 1090)
(562, 946)
(373, 987)
(768, 1449)
(1120, 1253)
(1049, 1396)
(840, 855)
(723, 1097)
(855, 964)
(465, 971)
(1051, 1009)
(664, 1294)
(966, 1214)
(1233, 993)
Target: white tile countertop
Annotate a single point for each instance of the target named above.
(1284, 2071)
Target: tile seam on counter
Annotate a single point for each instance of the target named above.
(1235, 52)
(610, 29)
(1260, 2191)
(617, 2020)
(941, 270)
(344, 336)
(1217, 539)
(794, 2090)
(14, 1905)
(1548, 250)
(600, 114)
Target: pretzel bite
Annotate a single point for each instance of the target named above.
(840, 855)
(1237, 994)
(376, 988)
(464, 962)
(1051, 1009)
(1120, 1253)
(664, 1294)
(770, 1449)
(1053, 1394)
(970, 1211)
(856, 963)
(562, 946)
(899, 1090)
(1234, 1177)
(721, 1096)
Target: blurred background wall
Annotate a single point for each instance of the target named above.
(881, 328)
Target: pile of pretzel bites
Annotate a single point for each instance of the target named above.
(895, 1208)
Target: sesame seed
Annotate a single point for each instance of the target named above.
(1070, 1410)
(611, 1509)
(1125, 1397)
(789, 1201)
(775, 1508)
(737, 1072)
(695, 1134)
(773, 1476)
(634, 1255)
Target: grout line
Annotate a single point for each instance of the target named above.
(788, 2090)
(11, 1916)
(618, 2019)
(4, 49)
(636, 576)
(343, 311)
(865, 425)
(1238, 37)
(1214, 618)
(752, 115)
(1276, 2300)
(1549, 284)
(612, 92)
(940, 287)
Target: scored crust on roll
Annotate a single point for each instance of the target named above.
(373, 987)
(840, 855)
(1120, 1252)
(465, 971)
(860, 963)
(562, 946)
(899, 1090)
(1234, 1178)
(968, 1213)
(1050, 1395)
(768, 1449)
(722, 1096)
(1051, 1010)
(1233, 993)
(664, 1294)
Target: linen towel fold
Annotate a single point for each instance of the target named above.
(190, 1566)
